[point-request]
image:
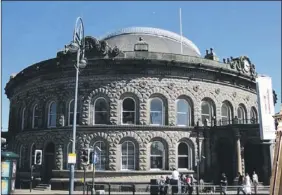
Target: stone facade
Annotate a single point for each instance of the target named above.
(114, 79)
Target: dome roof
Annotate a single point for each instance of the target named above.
(159, 40)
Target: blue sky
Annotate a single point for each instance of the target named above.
(35, 31)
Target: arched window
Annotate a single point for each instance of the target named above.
(102, 155)
(207, 112)
(32, 154)
(241, 115)
(156, 112)
(183, 113)
(100, 111)
(157, 155)
(23, 120)
(128, 155)
(254, 116)
(52, 114)
(128, 111)
(35, 117)
(226, 114)
(71, 113)
(185, 156)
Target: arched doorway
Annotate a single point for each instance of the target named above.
(49, 162)
(225, 164)
(253, 155)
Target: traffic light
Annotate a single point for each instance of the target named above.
(85, 156)
(91, 153)
(38, 157)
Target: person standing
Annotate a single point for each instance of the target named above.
(248, 184)
(174, 181)
(240, 184)
(223, 184)
(255, 182)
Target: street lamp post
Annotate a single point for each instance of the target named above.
(77, 45)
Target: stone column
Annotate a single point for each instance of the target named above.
(239, 157)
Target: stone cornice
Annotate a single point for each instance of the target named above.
(140, 60)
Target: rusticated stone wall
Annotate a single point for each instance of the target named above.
(141, 87)
(113, 139)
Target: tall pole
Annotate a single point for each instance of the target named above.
(78, 46)
(180, 25)
(74, 123)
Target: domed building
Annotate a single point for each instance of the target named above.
(149, 105)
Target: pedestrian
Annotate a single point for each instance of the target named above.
(240, 184)
(190, 184)
(174, 181)
(223, 184)
(162, 184)
(248, 184)
(255, 182)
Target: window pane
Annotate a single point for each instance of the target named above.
(182, 105)
(100, 105)
(182, 149)
(52, 121)
(124, 148)
(157, 148)
(240, 113)
(130, 162)
(205, 108)
(183, 162)
(128, 117)
(156, 105)
(156, 162)
(35, 122)
(156, 118)
(53, 108)
(124, 162)
(224, 110)
(128, 105)
(101, 118)
(182, 119)
(130, 149)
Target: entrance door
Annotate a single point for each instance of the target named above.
(253, 154)
(225, 153)
(49, 162)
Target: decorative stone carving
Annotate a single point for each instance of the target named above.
(248, 98)
(217, 91)
(196, 88)
(234, 94)
(170, 85)
(142, 84)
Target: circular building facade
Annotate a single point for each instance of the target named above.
(148, 106)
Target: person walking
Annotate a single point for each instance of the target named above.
(240, 184)
(174, 181)
(223, 184)
(162, 184)
(255, 182)
(248, 184)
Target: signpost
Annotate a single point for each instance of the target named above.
(71, 158)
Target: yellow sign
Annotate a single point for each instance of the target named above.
(72, 158)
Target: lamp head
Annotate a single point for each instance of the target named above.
(73, 47)
(83, 63)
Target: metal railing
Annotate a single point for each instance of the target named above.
(147, 188)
